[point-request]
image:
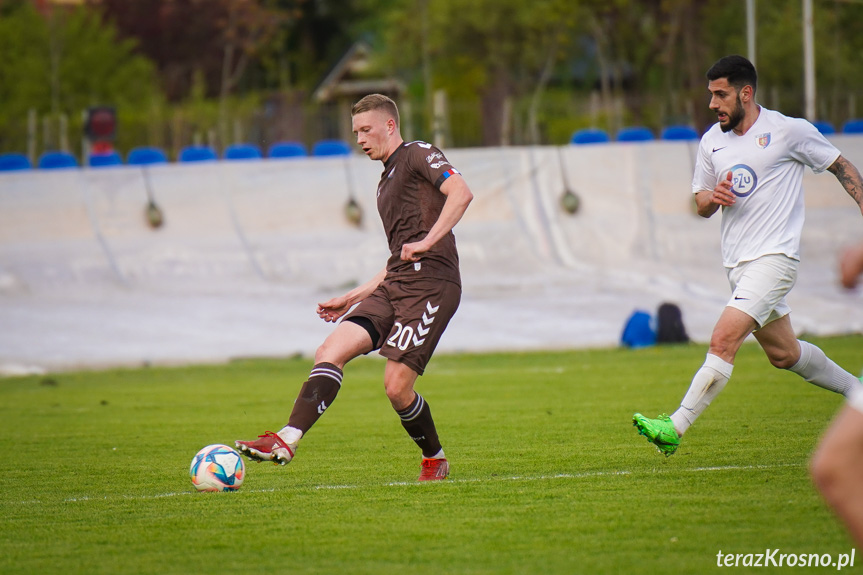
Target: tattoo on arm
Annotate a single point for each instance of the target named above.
(849, 177)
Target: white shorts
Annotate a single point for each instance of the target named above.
(759, 287)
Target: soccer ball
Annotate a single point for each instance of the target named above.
(217, 468)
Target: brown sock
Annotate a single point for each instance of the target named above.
(316, 395)
(417, 421)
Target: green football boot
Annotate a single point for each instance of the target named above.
(659, 431)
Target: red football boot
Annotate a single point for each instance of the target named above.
(434, 470)
(267, 447)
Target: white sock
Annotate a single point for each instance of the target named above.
(438, 455)
(818, 369)
(290, 435)
(707, 383)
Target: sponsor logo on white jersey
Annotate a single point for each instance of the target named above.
(743, 180)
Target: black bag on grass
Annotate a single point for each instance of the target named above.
(669, 325)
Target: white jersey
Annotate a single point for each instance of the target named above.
(767, 165)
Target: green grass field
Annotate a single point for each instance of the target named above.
(548, 474)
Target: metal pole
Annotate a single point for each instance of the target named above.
(750, 30)
(809, 60)
(426, 64)
(85, 142)
(32, 129)
(439, 119)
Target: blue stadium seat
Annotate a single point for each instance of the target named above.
(105, 160)
(13, 162)
(198, 154)
(825, 128)
(287, 150)
(57, 161)
(242, 152)
(589, 136)
(635, 134)
(679, 133)
(145, 156)
(853, 127)
(331, 148)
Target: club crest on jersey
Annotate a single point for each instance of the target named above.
(763, 140)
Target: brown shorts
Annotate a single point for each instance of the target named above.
(409, 317)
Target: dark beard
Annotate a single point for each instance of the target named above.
(734, 118)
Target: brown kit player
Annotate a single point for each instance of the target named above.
(402, 311)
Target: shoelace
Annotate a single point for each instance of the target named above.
(281, 442)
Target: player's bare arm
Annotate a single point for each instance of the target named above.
(458, 197)
(331, 310)
(708, 201)
(849, 176)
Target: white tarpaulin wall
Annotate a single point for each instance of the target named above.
(248, 249)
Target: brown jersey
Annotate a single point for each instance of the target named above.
(410, 202)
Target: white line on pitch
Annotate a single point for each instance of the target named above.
(585, 475)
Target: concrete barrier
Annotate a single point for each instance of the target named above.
(248, 248)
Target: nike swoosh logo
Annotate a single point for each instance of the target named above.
(743, 298)
(717, 149)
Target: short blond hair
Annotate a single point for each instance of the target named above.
(376, 102)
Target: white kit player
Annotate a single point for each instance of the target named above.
(750, 164)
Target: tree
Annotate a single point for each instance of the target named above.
(64, 62)
(633, 39)
(178, 35)
(495, 50)
(315, 34)
(185, 36)
(246, 28)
